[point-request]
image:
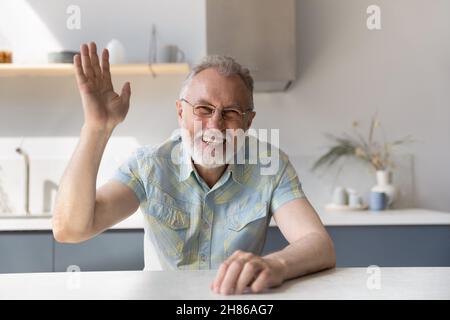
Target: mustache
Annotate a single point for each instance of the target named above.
(218, 135)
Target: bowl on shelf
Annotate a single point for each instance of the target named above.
(5, 56)
(61, 56)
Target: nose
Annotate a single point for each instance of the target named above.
(216, 121)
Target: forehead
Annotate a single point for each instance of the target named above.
(209, 85)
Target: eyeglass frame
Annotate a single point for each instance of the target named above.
(215, 108)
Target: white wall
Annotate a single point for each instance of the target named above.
(345, 73)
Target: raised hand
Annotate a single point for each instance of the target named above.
(103, 108)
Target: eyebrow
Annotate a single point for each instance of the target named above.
(204, 101)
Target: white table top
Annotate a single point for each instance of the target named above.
(341, 283)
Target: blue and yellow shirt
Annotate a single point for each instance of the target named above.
(192, 226)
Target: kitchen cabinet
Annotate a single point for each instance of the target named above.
(385, 246)
(26, 252)
(356, 246)
(38, 252)
(110, 251)
(394, 238)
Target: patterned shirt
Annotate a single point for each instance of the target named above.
(191, 226)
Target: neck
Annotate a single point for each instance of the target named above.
(210, 175)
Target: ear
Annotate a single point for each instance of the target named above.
(179, 106)
(249, 121)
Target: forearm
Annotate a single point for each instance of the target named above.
(312, 253)
(75, 201)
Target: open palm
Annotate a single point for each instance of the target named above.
(103, 108)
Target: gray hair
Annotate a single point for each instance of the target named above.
(226, 66)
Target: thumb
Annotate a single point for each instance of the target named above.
(126, 93)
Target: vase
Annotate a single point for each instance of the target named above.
(340, 196)
(116, 52)
(384, 185)
(377, 201)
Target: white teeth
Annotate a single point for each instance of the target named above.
(212, 139)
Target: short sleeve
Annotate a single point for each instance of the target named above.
(129, 174)
(288, 188)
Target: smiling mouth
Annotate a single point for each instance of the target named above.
(212, 140)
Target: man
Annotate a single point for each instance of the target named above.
(201, 211)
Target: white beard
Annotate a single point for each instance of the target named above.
(204, 156)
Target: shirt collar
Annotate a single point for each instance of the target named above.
(237, 172)
(186, 166)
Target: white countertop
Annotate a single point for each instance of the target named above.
(399, 217)
(44, 223)
(341, 283)
(407, 217)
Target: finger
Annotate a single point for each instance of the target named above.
(79, 75)
(126, 93)
(105, 69)
(261, 282)
(229, 281)
(219, 277)
(241, 255)
(223, 268)
(94, 60)
(86, 61)
(248, 274)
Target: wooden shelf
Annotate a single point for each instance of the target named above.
(66, 69)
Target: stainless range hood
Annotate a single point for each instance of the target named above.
(260, 34)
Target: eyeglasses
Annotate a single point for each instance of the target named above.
(207, 111)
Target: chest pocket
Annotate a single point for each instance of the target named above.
(248, 217)
(169, 226)
(173, 217)
(246, 229)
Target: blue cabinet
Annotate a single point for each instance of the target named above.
(31, 251)
(113, 250)
(385, 246)
(26, 252)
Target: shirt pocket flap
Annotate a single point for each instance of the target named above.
(173, 217)
(238, 221)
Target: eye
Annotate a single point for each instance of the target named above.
(201, 110)
(232, 114)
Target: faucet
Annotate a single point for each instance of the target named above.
(27, 179)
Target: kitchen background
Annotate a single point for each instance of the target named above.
(345, 73)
